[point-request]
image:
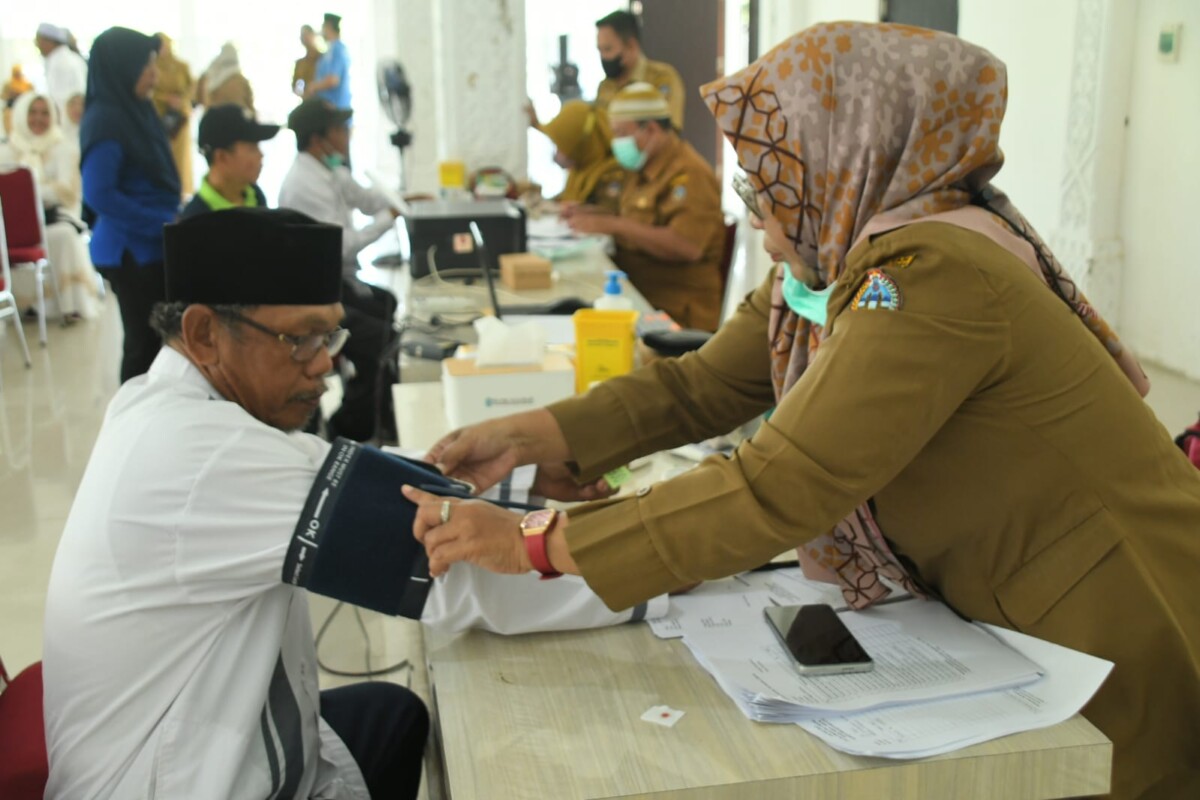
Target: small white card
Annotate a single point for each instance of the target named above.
(663, 715)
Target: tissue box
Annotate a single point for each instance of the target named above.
(524, 271)
(474, 393)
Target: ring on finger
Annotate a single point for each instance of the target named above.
(445, 515)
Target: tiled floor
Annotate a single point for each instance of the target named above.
(49, 417)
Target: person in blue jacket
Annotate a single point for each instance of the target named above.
(332, 81)
(129, 182)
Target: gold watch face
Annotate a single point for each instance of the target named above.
(536, 522)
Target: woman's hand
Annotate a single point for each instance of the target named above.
(555, 481)
(474, 531)
(480, 454)
(483, 454)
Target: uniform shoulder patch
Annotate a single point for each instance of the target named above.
(878, 290)
(679, 192)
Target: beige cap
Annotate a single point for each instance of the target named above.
(638, 102)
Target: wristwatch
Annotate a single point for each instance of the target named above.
(535, 526)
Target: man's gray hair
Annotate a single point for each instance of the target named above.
(166, 319)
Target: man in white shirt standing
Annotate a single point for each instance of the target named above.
(66, 74)
(320, 185)
(179, 658)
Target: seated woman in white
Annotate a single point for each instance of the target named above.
(37, 142)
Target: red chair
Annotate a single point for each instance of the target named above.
(25, 224)
(24, 767)
(8, 303)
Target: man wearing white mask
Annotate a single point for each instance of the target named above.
(66, 74)
(320, 184)
(669, 231)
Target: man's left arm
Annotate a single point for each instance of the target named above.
(338, 528)
(687, 216)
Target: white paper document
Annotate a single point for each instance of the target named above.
(922, 651)
(740, 600)
(927, 729)
(552, 238)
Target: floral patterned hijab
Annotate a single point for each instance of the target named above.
(848, 124)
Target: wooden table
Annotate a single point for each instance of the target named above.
(557, 716)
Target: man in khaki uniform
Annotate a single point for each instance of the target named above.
(669, 230)
(618, 38)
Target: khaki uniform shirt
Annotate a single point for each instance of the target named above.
(677, 189)
(305, 70)
(656, 73)
(1007, 455)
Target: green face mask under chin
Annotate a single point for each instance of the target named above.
(812, 304)
(334, 160)
(625, 150)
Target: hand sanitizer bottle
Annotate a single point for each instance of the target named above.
(613, 299)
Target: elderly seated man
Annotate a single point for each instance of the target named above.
(179, 658)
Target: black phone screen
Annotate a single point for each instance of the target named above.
(815, 635)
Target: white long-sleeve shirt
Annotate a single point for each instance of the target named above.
(66, 77)
(331, 196)
(177, 663)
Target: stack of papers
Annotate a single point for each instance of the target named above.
(928, 729)
(939, 683)
(551, 237)
(922, 651)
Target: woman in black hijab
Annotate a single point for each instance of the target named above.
(129, 182)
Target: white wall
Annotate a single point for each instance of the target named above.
(1161, 303)
(779, 19)
(466, 62)
(1034, 38)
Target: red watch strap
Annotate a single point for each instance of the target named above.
(536, 547)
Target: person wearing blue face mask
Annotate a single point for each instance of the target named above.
(668, 231)
(320, 184)
(801, 296)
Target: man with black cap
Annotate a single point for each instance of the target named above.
(320, 185)
(229, 137)
(179, 656)
(333, 67)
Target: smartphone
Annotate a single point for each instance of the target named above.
(818, 641)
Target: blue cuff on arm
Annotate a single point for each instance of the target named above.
(354, 541)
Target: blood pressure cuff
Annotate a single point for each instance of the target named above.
(354, 541)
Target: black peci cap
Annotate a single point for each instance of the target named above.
(254, 257)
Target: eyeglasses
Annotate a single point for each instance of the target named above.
(746, 191)
(304, 348)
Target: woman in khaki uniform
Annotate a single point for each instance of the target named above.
(223, 82)
(172, 99)
(954, 416)
(581, 139)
